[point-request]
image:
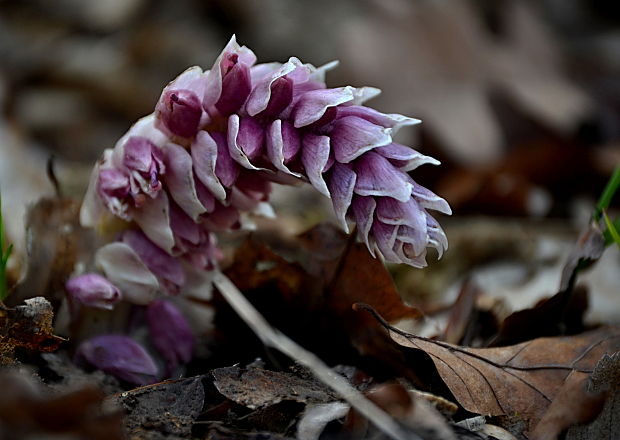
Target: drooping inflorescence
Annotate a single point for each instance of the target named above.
(217, 141)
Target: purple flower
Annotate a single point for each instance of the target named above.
(179, 109)
(170, 333)
(218, 137)
(93, 290)
(120, 356)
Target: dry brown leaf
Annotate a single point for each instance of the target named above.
(55, 242)
(27, 326)
(362, 278)
(574, 404)
(170, 407)
(461, 312)
(605, 379)
(520, 379)
(258, 388)
(319, 287)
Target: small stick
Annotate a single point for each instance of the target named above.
(274, 338)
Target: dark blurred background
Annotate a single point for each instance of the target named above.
(520, 100)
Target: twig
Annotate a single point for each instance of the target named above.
(274, 338)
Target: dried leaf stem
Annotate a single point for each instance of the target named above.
(275, 339)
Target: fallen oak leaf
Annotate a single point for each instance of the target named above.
(604, 380)
(518, 380)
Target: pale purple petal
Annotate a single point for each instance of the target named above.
(377, 177)
(226, 169)
(436, 235)
(204, 156)
(393, 212)
(283, 143)
(428, 199)
(170, 333)
(164, 266)
(363, 212)
(142, 155)
(245, 140)
(393, 121)
(113, 189)
(186, 231)
(385, 239)
(352, 136)
(93, 210)
(180, 180)
(145, 128)
(120, 356)
(236, 86)
(418, 238)
(272, 90)
(406, 254)
(318, 73)
(314, 156)
(262, 71)
(403, 157)
(93, 290)
(206, 197)
(363, 94)
(123, 267)
(179, 112)
(213, 89)
(153, 217)
(312, 105)
(341, 184)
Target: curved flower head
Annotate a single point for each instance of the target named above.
(219, 137)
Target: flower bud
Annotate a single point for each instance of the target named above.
(170, 333)
(93, 290)
(120, 356)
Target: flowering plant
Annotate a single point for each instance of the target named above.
(209, 153)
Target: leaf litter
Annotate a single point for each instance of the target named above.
(537, 370)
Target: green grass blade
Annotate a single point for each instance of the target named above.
(608, 194)
(613, 231)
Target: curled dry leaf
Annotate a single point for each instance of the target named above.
(171, 407)
(27, 326)
(256, 388)
(520, 379)
(317, 285)
(605, 380)
(55, 241)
